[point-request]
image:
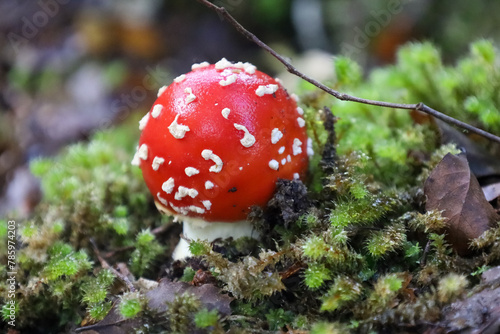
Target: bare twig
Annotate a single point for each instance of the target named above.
(342, 96)
(157, 231)
(106, 265)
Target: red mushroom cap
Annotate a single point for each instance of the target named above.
(217, 139)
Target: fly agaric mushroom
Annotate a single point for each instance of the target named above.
(214, 144)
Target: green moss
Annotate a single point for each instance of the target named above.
(360, 211)
(278, 318)
(431, 221)
(314, 247)
(413, 252)
(121, 225)
(342, 293)
(147, 248)
(64, 261)
(94, 293)
(315, 275)
(3, 229)
(198, 248)
(205, 318)
(9, 311)
(329, 328)
(450, 287)
(181, 311)
(131, 304)
(188, 274)
(390, 239)
(97, 311)
(250, 277)
(94, 190)
(348, 72)
(90, 192)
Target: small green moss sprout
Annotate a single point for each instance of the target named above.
(205, 318)
(315, 275)
(315, 247)
(343, 292)
(188, 274)
(450, 287)
(64, 261)
(430, 221)
(278, 318)
(180, 312)
(9, 311)
(329, 328)
(385, 290)
(199, 248)
(146, 250)
(131, 304)
(94, 291)
(359, 211)
(387, 240)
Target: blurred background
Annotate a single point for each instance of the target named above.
(71, 67)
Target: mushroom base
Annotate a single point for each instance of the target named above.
(195, 228)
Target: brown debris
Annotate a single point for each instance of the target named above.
(452, 189)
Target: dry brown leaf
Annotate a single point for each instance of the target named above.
(158, 298)
(452, 189)
(492, 191)
(209, 295)
(477, 313)
(113, 323)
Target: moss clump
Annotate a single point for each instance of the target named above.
(205, 318)
(131, 304)
(64, 261)
(95, 293)
(450, 287)
(94, 190)
(278, 318)
(343, 292)
(147, 248)
(390, 239)
(250, 278)
(316, 274)
(453, 89)
(90, 193)
(180, 312)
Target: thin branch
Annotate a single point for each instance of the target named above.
(106, 265)
(342, 96)
(157, 231)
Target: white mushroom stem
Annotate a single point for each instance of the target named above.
(199, 229)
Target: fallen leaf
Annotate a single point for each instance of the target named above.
(476, 313)
(492, 191)
(452, 189)
(491, 275)
(113, 323)
(209, 295)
